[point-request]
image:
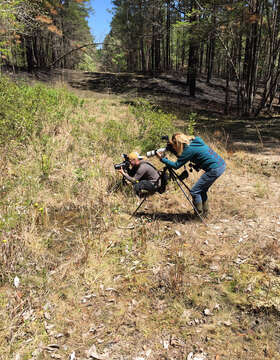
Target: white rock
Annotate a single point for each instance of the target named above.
(52, 347)
(47, 316)
(148, 352)
(217, 307)
(48, 327)
(190, 356)
(28, 315)
(201, 356)
(87, 297)
(207, 312)
(92, 354)
(16, 282)
(72, 356)
(227, 323)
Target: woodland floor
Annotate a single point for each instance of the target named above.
(244, 231)
(259, 137)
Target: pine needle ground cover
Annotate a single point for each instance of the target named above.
(80, 278)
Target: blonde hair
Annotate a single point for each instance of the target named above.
(179, 140)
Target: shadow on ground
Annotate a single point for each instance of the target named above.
(261, 135)
(175, 218)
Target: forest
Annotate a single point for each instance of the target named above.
(85, 273)
(237, 41)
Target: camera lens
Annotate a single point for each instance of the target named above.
(151, 153)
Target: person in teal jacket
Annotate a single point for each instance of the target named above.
(194, 150)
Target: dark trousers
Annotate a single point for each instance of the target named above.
(144, 186)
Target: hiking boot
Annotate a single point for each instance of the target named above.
(205, 208)
(198, 208)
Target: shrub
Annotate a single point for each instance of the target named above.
(25, 108)
(153, 123)
(192, 123)
(118, 137)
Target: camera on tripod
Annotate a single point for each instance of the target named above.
(168, 147)
(194, 166)
(125, 164)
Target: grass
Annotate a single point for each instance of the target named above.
(142, 291)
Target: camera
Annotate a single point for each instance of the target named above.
(125, 164)
(168, 147)
(194, 166)
(184, 175)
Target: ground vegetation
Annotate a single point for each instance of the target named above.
(81, 279)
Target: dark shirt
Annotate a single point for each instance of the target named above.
(144, 171)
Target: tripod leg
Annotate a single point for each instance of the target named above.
(114, 188)
(138, 207)
(175, 177)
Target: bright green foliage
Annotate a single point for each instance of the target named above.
(113, 55)
(154, 123)
(191, 123)
(118, 136)
(45, 165)
(253, 287)
(87, 64)
(9, 25)
(23, 109)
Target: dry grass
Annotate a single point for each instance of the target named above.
(139, 292)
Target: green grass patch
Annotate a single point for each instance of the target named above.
(25, 109)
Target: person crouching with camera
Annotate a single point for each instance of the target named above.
(143, 175)
(201, 156)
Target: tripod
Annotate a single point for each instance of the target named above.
(174, 177)
(117, 186)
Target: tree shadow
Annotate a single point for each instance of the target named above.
(169, 93)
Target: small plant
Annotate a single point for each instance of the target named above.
(261, 190)
(80, 175)
(192, 123)
(46, 165)
(154, 123)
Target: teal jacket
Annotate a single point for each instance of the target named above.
(198, 153)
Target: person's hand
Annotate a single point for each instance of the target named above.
(159, 155)
(121, 170)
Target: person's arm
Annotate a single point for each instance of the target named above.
(182, 159)
(139, 173)
(129, 178)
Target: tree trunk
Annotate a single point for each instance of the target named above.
(167, 44)
(226, 110)
(193, 57)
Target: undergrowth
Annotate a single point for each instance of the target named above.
(155, 286)
(25, 110)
